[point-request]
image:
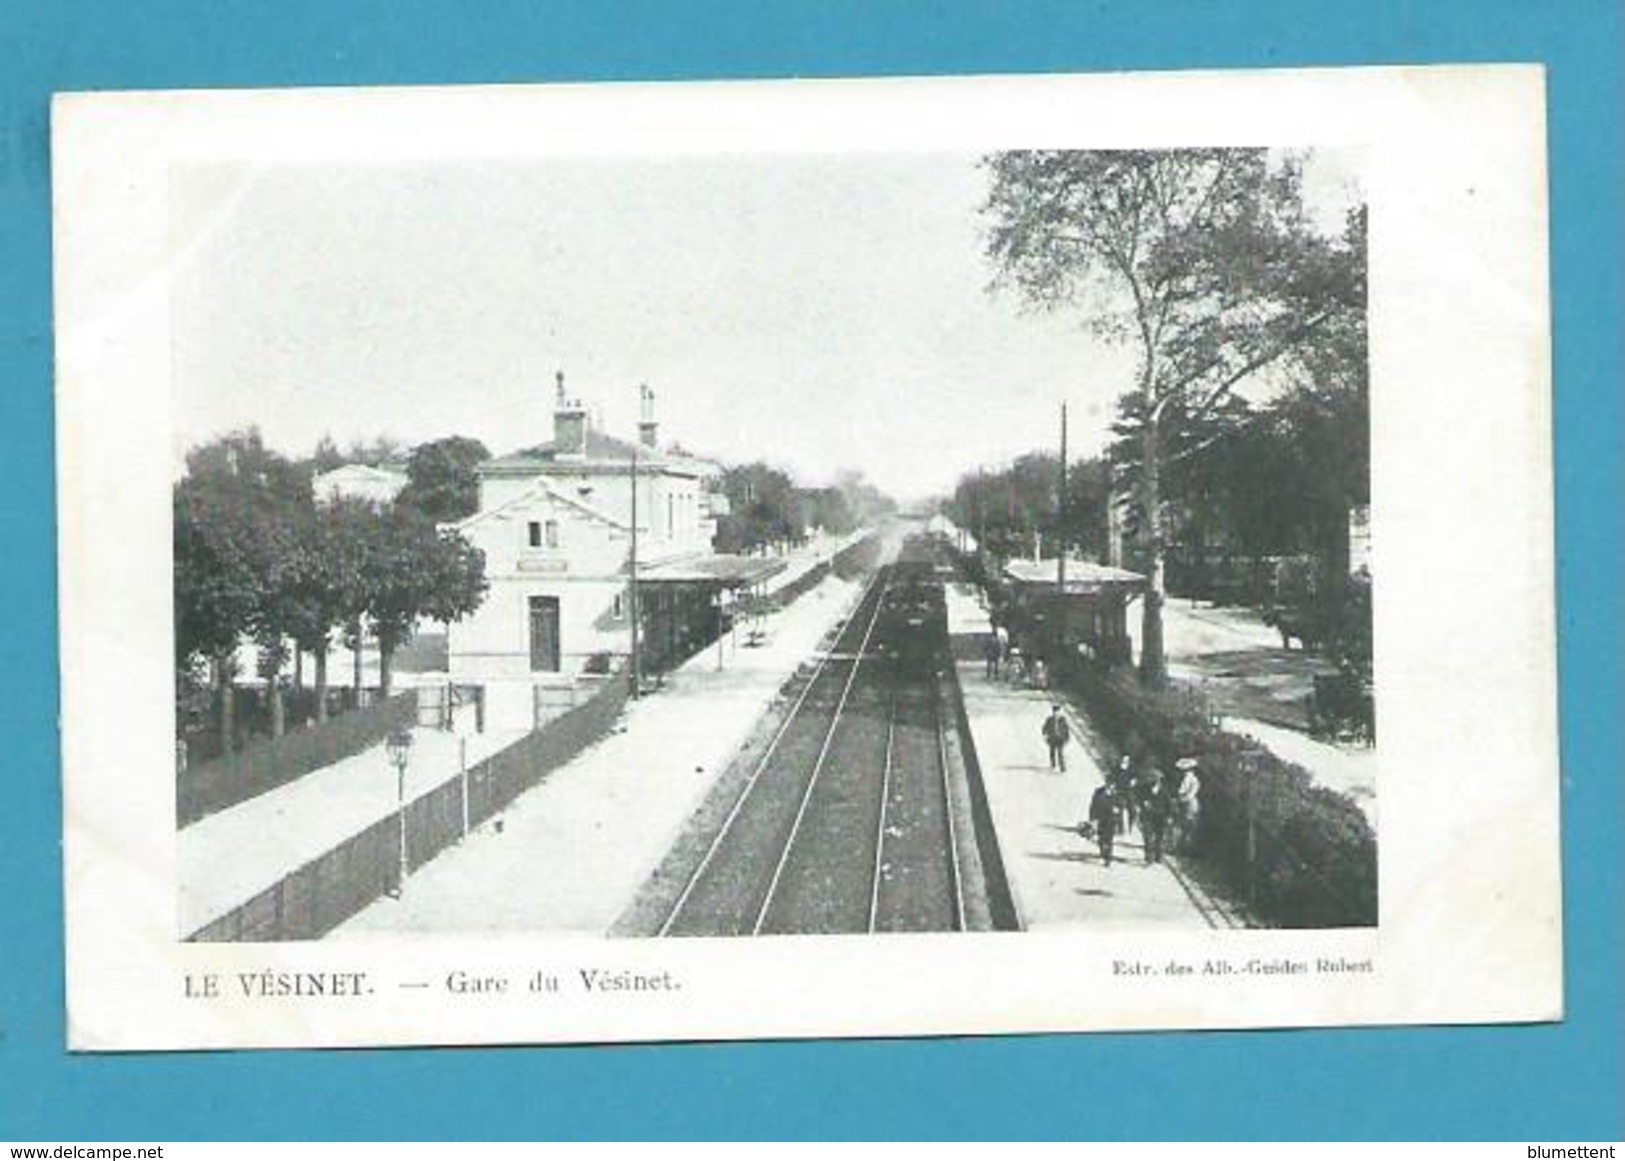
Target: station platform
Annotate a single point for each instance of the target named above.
(570, 853)
(228, 857)
(1056, 877)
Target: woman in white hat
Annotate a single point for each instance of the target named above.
(1188, 806)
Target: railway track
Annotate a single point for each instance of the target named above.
(849, 821)
(917, 879)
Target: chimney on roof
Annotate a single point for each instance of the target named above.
(648, 429)
(569, 422)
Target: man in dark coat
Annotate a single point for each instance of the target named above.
(990, 654)
(1154, 814)
(1056, 735)
(1103, 819)
(1122, 780)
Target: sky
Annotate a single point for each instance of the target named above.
(823, 313)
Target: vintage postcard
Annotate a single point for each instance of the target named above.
(848, 558)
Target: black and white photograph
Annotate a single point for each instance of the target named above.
(750, 546)
(674, 544)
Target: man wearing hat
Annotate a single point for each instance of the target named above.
(1122, 779)
(1155, 811)
(1103, 808)
(1056, 735)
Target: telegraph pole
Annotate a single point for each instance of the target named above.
(1061, 547)
(1060, 514)
(637, 658)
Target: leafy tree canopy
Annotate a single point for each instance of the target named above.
(764, 509)
(1010, 510)
(416, 571)
(441, 481)
(235, 516)
(1204, 263)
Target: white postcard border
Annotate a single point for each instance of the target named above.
(1462, 531)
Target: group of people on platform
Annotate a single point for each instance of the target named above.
(1006, 656)
(1136, 794)
(1164, 806)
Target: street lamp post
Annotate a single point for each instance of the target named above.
(399, 748)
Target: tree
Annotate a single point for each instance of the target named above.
(284, 560)
(232, 513)
(350, 531)
(1083, 522)
(216, 589)
(1014, 511)
(417, 572)
(441, 480)
(1199, 259)
(318, 581)
(764, 509)
(239, 466)
(256, 557)
(326, 456)
(383, 449)
(1276, 478)
(999, 513)
(827, 508)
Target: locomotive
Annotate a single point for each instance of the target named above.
(913, 629)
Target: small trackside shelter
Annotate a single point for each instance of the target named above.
(1089, 617)
(686, 601)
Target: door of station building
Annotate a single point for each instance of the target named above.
(544, 634)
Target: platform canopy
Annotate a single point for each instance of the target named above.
(1082, 576)
(716, 569)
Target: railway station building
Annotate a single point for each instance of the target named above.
(555, 525)
(1089, 617)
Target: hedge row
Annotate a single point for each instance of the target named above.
(1314, 860)
(265, 763)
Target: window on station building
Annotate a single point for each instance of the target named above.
(617, 607)
(552, 533)
(534, 534)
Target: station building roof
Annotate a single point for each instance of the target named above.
(541, 487)
(1082, 576)
(716, 568)
(599, 452)
(598, 448)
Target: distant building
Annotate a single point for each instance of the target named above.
(555, 525)
(379, 484)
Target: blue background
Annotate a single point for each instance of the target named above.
(1538, 1083)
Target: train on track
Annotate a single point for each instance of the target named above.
(913, 627)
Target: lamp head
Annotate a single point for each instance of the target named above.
(398, 746)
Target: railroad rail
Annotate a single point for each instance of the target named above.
(846, 823)
(917, 879)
